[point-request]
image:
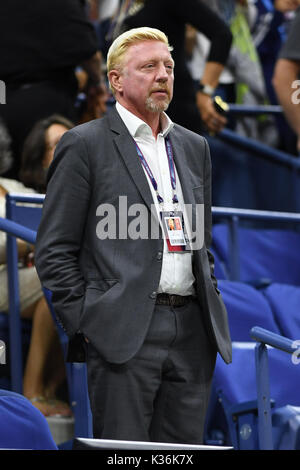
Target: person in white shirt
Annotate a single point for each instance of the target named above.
(138, 300)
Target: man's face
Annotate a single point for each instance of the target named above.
(145, 84)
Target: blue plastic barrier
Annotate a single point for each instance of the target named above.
(263, 338)
(251, 174)
(247, 254)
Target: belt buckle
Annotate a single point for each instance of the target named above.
(173, 300)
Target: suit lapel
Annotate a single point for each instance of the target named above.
(187, 180)
(182, 166)
(127, 150)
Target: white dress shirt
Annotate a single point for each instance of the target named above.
(176, 275)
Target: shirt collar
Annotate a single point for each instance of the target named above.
(137, 127)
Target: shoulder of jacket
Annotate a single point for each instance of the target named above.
(90, 127)
(185, 133)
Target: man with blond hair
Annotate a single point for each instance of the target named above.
(142, 299)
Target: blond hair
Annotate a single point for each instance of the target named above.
(118, 49)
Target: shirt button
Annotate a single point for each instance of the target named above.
(159, 256)
(153, 295)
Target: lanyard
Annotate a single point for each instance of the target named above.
(171, 169)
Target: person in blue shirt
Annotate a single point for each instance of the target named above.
(22, 425)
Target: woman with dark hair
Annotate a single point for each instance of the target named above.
(5, 149)
(42, 44)
(38, 150)
(41, 382)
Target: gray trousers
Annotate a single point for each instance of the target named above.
(162, 393)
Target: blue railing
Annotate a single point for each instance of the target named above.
(254, 110)
(263, 338)
(17, 230)
(273, 339)
(259, 149)
(27, 198)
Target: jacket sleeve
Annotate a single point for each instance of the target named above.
(207, 22)
(61, 230)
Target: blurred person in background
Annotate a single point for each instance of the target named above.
(44, 371)
(39, 148)
(41, 45)
(286, 79)
(269, 24)
(6, 158)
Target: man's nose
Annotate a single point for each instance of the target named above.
(162, 74)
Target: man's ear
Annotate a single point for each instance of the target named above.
(116, 80)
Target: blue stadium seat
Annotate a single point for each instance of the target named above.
(23, 426)
(286, 428)
(246, 306)
(272, 254)
(234, 410)
(284, 300)
(263, 253)
(238, 383)
(233, 413)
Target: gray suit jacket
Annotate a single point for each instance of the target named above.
(106, 289)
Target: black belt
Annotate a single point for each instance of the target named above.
(173, 300)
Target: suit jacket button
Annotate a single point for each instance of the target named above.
(153, 295)
(159, 256)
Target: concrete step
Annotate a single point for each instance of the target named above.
(61, 428)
